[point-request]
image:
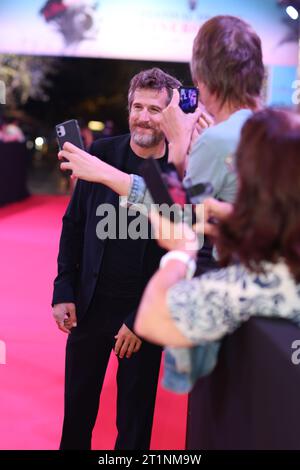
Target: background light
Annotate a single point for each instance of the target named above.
(29, 144)
(292, 12)
(39, 142)
(96, 125)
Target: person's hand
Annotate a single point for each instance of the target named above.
(127, 342)
(65, 316)
(178, 128)
(204, 121)
(174, 236)
(214, 211)
(82, 164)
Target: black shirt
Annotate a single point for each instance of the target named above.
(128, 263)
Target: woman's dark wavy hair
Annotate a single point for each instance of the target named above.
(265, 222)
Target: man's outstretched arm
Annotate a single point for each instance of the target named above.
(90, 168)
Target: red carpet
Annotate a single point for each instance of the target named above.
(31, 381)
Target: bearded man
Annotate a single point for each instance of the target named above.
(100, 282)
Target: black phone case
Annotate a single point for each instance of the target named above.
(158, 189)
(69, 131)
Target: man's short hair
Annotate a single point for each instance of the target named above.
(153, 79)
(227, 58)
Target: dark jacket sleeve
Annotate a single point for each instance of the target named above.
(129, 320)
(71, 246)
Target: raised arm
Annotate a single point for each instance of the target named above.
(90, 168)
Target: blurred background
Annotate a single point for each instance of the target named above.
(70, 59)
(73, 59)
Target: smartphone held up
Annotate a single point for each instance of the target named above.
(69, 131)
(188, 98)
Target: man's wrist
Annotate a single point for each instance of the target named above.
(115, 179)
(104, 175)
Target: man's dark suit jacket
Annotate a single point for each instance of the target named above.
(81, 251)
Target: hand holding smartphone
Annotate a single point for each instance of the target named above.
(68, 131)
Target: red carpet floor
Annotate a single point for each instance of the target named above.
(31, 381)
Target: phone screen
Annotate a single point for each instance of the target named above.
(188, 98)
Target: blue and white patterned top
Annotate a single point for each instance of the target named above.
(208, 307)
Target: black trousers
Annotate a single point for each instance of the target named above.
(87, 355)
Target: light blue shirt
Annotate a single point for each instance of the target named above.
(212, 158)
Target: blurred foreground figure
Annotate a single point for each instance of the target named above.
(258, 239)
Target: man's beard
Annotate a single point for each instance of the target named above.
(146, 140)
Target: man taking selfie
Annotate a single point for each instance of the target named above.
(100, 282)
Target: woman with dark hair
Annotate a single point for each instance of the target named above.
(258, 240)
